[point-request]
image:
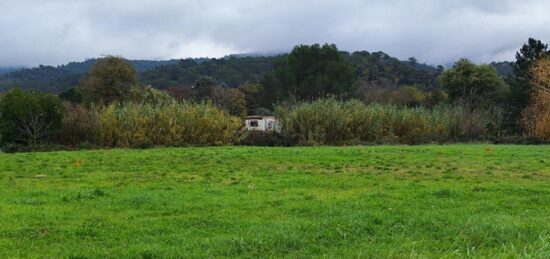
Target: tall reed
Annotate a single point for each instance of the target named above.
(329, 121)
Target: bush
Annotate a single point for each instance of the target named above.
(333, 122)
(262, 138)
(80, 126)
(29, 118)
(18, 148)
(147, 94)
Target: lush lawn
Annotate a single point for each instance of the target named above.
(427, 201)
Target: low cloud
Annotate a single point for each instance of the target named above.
(53, 32)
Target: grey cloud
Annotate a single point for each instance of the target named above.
(36, 32)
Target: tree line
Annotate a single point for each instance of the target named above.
(309, 77)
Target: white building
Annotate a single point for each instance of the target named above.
(261, 123)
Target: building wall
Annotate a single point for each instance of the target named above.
(264, 124)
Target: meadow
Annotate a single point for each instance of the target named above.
(336, 202)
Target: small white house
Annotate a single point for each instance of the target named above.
(261, 123)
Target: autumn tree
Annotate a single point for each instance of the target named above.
(109, 80)
(536, 116)
(521, 79)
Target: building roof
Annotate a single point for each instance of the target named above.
(257, 117)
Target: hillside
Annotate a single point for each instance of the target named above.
(5, 70)
(57, 79)
(503, 68)
(376, 68)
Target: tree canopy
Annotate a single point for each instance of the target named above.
(28, 117)
(475, 85)
(310, 72)
(108, 81)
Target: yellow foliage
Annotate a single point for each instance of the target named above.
(141, 124)
(536, 117)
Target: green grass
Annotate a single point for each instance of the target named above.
(388, 201)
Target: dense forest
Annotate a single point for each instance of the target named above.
(5, 70)
(231, 71)
(58, 79)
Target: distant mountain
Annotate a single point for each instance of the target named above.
(504, 69)
(377, 68)
(5, 70)
(60, 78)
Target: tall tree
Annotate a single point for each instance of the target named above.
(310, 72)
(475, 85)
(536, 116)
(252, 96)
(29, 118)
(520, 83)
(108, 81)
(204, 88)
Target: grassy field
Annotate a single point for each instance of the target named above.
(389, 201)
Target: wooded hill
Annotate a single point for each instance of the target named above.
(377, 68)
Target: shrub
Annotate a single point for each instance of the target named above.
(262, 138)
(18, 148)
(29, 118)
(147, 94)
(80, 126)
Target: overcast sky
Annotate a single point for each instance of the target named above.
(53, 32)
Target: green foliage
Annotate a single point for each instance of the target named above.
(231, 71)
(378, 70)
(504, 68)
(328, 121)
(310, 72)
(410, 96)
(109, 80)
(252, 95)
(203, 88)
(235, 102)
(474, 85)
(147, 94)
(64, 77)
(71, 96)
(29, 118)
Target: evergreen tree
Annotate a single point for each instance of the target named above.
(520, 86)
(310, 72)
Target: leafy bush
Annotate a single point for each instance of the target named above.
(29, 118)
(80, 125)
(147, 94)
(19, 148)
(262, 138)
